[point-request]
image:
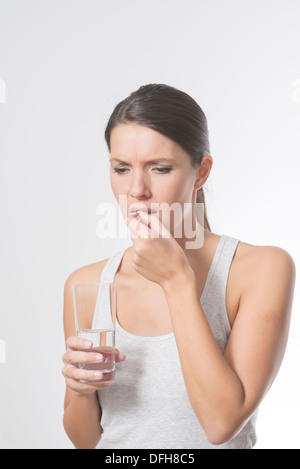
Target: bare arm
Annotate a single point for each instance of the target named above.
(224, 391)
(82, 411)
(82, 420)
(82, 416)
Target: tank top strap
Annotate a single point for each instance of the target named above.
(220, 268)
(226, 256)
(111, 267)
(102, 315)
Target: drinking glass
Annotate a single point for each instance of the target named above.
(95, 305)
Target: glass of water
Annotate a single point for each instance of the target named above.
(95, 319)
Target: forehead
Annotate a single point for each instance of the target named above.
(134, 139)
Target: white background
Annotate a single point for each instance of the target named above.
(66, 64)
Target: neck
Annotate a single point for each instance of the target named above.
(191, 236)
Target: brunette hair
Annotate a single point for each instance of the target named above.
(171, 112)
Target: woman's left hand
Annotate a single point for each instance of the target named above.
(158, 258)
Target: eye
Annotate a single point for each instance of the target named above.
(163, 170)
(160, 170)
(119, 170)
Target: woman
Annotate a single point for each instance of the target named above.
(201, 327)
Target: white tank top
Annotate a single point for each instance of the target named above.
(147, 405)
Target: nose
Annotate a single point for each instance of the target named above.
(139, 188)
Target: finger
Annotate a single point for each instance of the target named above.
(78, 374)
(82, 357)
(120, 357)
(154, 224)
(75, 343)
(141, 227)
(138, 229)
(84, 387)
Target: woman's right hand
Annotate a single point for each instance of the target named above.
(78, 351)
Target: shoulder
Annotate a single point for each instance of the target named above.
(86, 274)
(259, 334)
(268, 271)
(261, 260)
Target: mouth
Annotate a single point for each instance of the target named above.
(135, 213)
(137, 208)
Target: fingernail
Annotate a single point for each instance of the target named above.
(88, 344)
(143, 215)
(98, 374)
(99, 358)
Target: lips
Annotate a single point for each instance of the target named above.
(135, 209)
(136, 213)
(139, 210)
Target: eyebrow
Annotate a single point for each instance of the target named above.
(157, 160)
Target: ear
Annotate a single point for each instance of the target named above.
(203, 171)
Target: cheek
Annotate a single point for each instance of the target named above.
(178, 190)
(119, 189)
(117, 192)
(117, 185)
(163, 190)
